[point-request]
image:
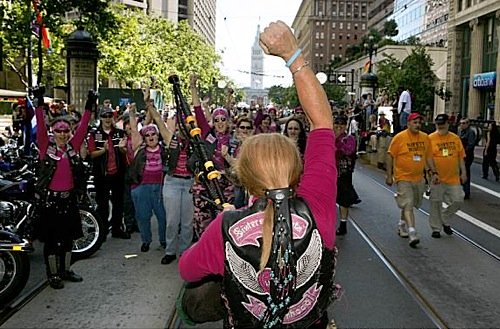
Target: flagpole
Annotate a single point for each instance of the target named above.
(40, 56)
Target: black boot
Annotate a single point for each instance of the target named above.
(342, 230)
(55, 280)
(66, 273)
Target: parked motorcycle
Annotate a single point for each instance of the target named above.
(17, 189)
(14, 259)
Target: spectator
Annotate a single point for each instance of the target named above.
(468, 138)
(268, 274)
(448, 154)
(490, 152)
(295, 130)
(404, 107)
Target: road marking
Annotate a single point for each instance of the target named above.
(460, 213)
(487, 190)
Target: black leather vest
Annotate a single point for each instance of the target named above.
(245, 288)
(48, 167)
(99, 164)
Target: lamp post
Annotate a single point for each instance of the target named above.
(369, 80)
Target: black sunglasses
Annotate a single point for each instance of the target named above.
(220, 119)
(245, 127)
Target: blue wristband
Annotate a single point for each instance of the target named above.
(294, 57)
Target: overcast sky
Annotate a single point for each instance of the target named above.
(236, 30)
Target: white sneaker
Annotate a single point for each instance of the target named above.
(403, 230)
(414, 240)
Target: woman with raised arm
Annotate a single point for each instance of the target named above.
(217, 136)
(60, 183)
(146, 172)
(277, 257)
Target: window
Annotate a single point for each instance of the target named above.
(348, 36)
(334, 25)
(333, 45)
(317, 23)
(322, 35)
(355, 37)
(356, 26)
(333, 36)
(348, 26)
(317, 35)
(363, 27)
(340, 36)
(341, 25)
(316, 55)
(321, 45)
(316, 45)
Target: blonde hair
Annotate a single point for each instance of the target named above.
(268, 161)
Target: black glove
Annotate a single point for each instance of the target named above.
(91, 100)
(38, 93)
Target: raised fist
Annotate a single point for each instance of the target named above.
(91, 100)
(38, 93)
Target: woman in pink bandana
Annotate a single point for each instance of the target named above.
(58, 186)
(216, 136)
(146, 173)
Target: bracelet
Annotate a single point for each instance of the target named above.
(294, 57)
(306, 63)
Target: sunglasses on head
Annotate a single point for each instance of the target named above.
(219, 119)
(245, 127)
(60, 131)
(107, 115)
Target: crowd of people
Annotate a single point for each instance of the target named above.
(145, 165)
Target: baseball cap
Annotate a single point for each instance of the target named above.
(441, 118)
(414, 116)
(106, 110)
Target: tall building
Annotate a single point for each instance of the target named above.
(474, 58)
(436, 23)
(409, 15)
(326, 28)
(202, 17)
(257, 62)
(199, 13)
(379, 12)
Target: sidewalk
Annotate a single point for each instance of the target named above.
(478, 154)
(119, 290)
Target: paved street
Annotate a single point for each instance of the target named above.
(385, 283)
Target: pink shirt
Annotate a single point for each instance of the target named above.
(318, 188)
(63, 177)
(153, 169)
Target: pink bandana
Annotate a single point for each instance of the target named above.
(149, 128)
(220, 111)
(61, 125)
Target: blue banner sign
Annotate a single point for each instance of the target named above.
(484, 80)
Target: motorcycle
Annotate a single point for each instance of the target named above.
(14, 258)
(17, 190)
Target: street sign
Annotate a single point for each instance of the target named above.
(341, 78)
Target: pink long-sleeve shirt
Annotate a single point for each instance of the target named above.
(317, 187)
(63, 178)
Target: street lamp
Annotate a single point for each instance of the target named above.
(369, 80)
(371, 49)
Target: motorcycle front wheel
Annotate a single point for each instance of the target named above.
(14, 273)
(93, 235)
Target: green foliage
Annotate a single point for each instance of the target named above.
(391, 28)
(132, 45)
(336, 93)
(283, 96)
(414, 72)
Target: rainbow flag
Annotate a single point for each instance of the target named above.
(43, 32)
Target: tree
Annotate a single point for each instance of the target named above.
(414, 73)
(336, 93)
(391, 28)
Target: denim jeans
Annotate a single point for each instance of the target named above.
(179, 206)
(148, 199)
(403, 119)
